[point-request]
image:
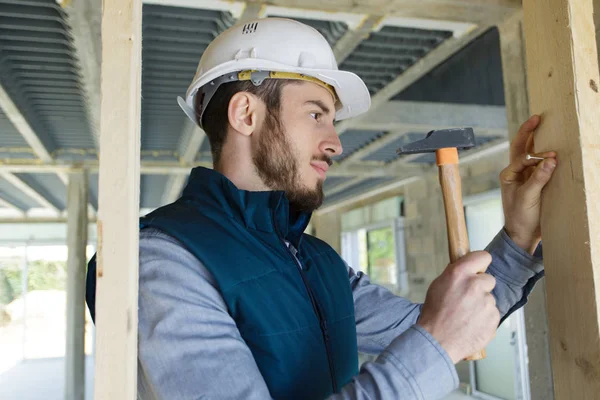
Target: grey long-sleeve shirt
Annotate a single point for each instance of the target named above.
(190, 347)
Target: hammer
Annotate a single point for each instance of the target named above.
(445, 143)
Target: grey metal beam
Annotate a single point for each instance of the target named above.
(412, 74)
(352, 38)
(29, 191)
(192, 139)
(84, 17)
(8, 204)
(423, 116)
(162, 168)
(77, 229)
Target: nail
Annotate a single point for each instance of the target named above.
(530, 157)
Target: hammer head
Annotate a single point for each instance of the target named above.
(460, 138)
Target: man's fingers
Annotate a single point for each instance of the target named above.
(485, 282)
(512, 173)
(474, 262)
(539, 178)
(519, 144)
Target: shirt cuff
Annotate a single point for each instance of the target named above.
(513, 262)
(423, 362)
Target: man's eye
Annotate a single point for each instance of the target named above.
(316, 116)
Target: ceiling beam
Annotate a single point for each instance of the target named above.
(353, 37)
(20, 123)
(84, 17)
(343, 186)
(411, 75)
(31, 137)
(163, 168)
(251, 12)
(396, 114)
(25, 188)
(192, 139)
(7, 204)
(398, 168)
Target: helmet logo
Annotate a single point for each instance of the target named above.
(249, 28)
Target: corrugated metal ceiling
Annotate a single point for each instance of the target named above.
(39, 70)
(387, 53)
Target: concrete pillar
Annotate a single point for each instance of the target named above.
(77, 227)
(328, 227)
(517, 112)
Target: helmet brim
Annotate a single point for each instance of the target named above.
(352, 92)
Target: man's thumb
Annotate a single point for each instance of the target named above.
(540, 177)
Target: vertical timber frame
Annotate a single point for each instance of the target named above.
(563, 77)
(514, 72)
(118, 202)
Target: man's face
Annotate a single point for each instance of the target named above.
(294, 152)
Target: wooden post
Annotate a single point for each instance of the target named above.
(514, 73)
(563, 76)
(118, 211)
(77, 226)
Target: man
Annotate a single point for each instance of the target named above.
(236, 302)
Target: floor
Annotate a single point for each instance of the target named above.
(43, 379)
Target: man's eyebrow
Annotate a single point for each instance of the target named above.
(320, 104)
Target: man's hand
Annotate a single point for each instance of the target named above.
(521, 185)
(460, 311)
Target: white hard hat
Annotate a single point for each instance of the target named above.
(276, 48)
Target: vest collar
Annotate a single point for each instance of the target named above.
(267, 211)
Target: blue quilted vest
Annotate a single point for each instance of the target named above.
(296, 314)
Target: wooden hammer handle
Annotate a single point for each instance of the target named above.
(458, 240)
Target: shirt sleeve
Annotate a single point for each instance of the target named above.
(516, 272)
(381, 316)
(190, 347)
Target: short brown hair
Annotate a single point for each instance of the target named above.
(215, 121)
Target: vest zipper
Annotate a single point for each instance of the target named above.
(316, 309)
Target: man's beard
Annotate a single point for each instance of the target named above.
(278, 167)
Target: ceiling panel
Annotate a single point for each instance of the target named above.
(387, 53)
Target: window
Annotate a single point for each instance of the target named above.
(381, 254)
(378, 251)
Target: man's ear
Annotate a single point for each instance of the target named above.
(243, 112)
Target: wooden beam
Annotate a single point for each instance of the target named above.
(564, 80)
(119, 194)
(77, 231)
(514, 73)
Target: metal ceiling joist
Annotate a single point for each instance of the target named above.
(23, 127)
(25, 188)
(398, 168)
(84, 17)
(7, 204)
(352, 38)
(192, 139)
(412, 74)
(21, 124)
(394, 115)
